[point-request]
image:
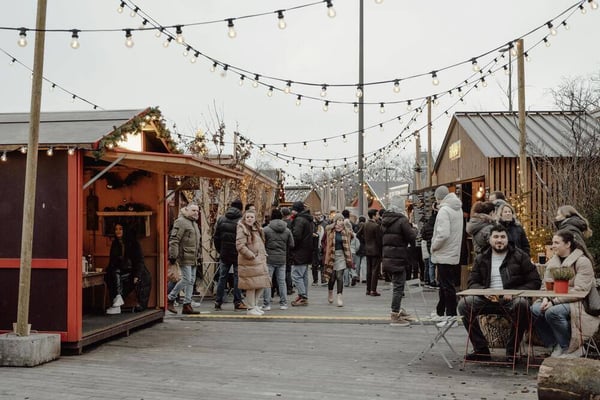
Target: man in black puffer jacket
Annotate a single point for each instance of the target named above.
(224, 240)
(397, 234)
(303, 229)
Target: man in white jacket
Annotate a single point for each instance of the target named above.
(445, 249)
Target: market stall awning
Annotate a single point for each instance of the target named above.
(170, 164)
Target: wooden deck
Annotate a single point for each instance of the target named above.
(315, 352)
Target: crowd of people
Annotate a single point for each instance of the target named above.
(294, 247)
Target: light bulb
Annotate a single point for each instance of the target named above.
(475, 65)
(186, 52)
(22, 42)
(330, 10)
(325, 142)
(231, 29)
(73, 99)
(280, 20)
(381, 108)
(224, 71)
(565, 25)
(23, 149)
(593, 4)
(255, 83)
(359, 92)
(552, 29)
(344, 138)
(3, 158)
(324, 91)
(396, 86)
(355, 107)
(304, 146)
(71, 151)
(158, 32)
(326, 106)
(583, 10)
(128, 39)
(242, 77)
(270, 91)
(195, 57)
(133, 12)
(50, 151)
(121, 7)
(408, 105)
(167, 42)
(179, 34)
(288, 87)
(213, 67)
(546, 42)
(75, 39)
(434, 79)
(298, 100)
(527, 58)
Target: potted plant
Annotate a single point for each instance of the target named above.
(561, 277)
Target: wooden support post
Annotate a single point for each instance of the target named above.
(523, 187)
(429, 156)
(22, 326)
(418, 161)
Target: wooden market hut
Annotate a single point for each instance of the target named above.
(480, 153)
(305, 194)
(95, 168)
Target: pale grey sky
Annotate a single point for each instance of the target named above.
(402, 38)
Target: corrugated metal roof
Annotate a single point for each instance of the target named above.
(549, 133)
(69, 128)
(378, 187)
(296, 193)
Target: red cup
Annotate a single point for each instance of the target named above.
(549, 286)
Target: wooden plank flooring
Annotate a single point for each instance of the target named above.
(307, 355)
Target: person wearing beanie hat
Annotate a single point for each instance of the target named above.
(445, 250)
(298, 206)
(237, 203)
(441, 192)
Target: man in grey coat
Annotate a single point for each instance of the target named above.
(184, 247)
(278, 240)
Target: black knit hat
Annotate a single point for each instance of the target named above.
(298, 206)
(237, 203)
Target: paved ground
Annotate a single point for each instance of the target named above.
(315, 352)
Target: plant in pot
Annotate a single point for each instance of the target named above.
(561, 277)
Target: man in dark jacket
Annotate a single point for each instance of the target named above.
(224, 240)
(303, 230)
(278, 241)
(499, 267)
(372, 236)
(397, 234)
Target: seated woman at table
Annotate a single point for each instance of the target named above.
(126, 271)
(501, 266)
(561, 322)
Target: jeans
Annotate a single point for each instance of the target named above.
(431, 267)
(447, 293)
(360, 263)
(188, 276)
(223, 273)
(280, 274)
(300, 278)
(554, 325)
(470, 307)
(398, 281)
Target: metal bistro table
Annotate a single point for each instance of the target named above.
(534, 294)
(490, 292)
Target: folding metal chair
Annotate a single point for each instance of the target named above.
(413, 287)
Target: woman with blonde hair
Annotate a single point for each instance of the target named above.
(253, 273)
(516, 234)
(337, 255)
(568, 218)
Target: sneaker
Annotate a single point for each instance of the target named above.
(257, 308)
(301, 301)
(118, 301)
(283, 307)
(403, 313)
(113, 310)
(196, 304)
(437, 318)
(397, 320)
(340, 300)
(446, 321)
(253, 311)
(556, 351)
(266, 308)
(240, 306)
(479, 355)
(575, 354)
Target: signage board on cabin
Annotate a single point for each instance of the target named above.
(454, 150)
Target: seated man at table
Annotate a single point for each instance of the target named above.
(501, 266)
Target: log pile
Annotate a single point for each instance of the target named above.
(567, 379)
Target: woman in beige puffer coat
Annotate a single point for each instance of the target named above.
(253, 273)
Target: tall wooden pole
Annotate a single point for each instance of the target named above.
(361, 115)
(429, 156)
(523, 187)
(22, 326)
(418, 161)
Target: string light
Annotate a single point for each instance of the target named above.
(326, 105)
(397, 86)
(474, 64)
(231, 29)
(304, 146)
(195, 58)
(159, 32)
(71, 151)
(4, 158)
(75, 39)
(134, 12)
(167, 42)
(355, 105)
(359, 91)
(23, 149)
(381, 108)
(409, 105)
(288, 87)
(270, 91)
(242, 78)
(73, 97)
(186, 52)
(434, 78)
(325, 142)
(565, 25)
(280, 20)
(299, 100)
(344, 138)
(593, 4)
(22, 42)
(179, 34)
(552, 29)
(128, 39)
(527, 58)
(213, 67)
(224, 72)
(330, 10)
(583, 10)
(121, 7)
(546, 41)
(255, 82)
(50, 151)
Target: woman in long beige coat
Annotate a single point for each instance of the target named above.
(253, 273)
(561, 321)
